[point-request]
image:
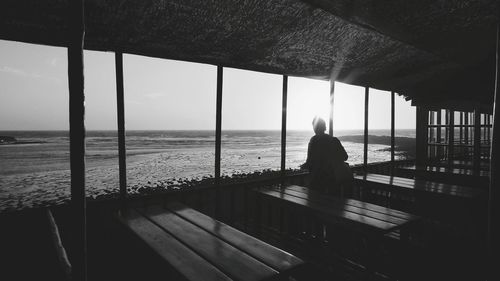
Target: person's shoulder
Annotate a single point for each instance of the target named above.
(331, 138)
(334, 140)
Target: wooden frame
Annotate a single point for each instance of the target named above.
(365, 143)
(77, 140)
(283, 126)
(120, 111)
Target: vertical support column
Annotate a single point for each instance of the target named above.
(422, 134)
(431, 134)
(218, 138)
(466, 135)
(484, 124)
(120, 109)
(365, 143)
(393, 105)
(461, 126)
(283, 128)
(438, 135)
(330, 122)
(489, 128)
(477, 140)
(77, 140)
(494, 199)
(461, 133)
(451, 137)
(446, 124)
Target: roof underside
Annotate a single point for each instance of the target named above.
(428, 50)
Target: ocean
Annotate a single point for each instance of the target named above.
(35, 171)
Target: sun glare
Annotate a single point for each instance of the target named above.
(307, 98)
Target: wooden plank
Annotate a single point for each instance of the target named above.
(339, 205)
(357, 220)
(268, 254)
(179, 256)
(361, 204)
(234, 263)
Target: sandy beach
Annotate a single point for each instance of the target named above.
(35, 175)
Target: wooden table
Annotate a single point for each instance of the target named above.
(447, 202)
(462, 164)
(202, 248)
(460, 176)
(418, 186)
(356, 215)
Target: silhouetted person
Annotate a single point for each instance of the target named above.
(324, 154)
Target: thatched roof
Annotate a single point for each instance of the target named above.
(426, 49)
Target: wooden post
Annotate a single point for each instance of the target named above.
(489, 128)
(494, 198)
(451, 137)
(431, 122)
(283, 128)
(392, 128)
(483, 127)
(120, 109)
(477, 140)
(439, 148)
(466, 135)
(218, 138)
(466, 132)
(365, 147)
(461, 127)
(332, 91)
(77, 140)
(422, 137)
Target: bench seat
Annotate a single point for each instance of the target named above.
(202, 248)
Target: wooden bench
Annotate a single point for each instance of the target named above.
(462, 164)
(345, 230)
(418, 187)
(202, 248)
(459, 176)
(356, 215)
(455, 204)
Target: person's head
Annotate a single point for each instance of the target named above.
(319, 125)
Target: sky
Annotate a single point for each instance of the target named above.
(173, 95)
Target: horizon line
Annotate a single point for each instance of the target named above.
(90, 130)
